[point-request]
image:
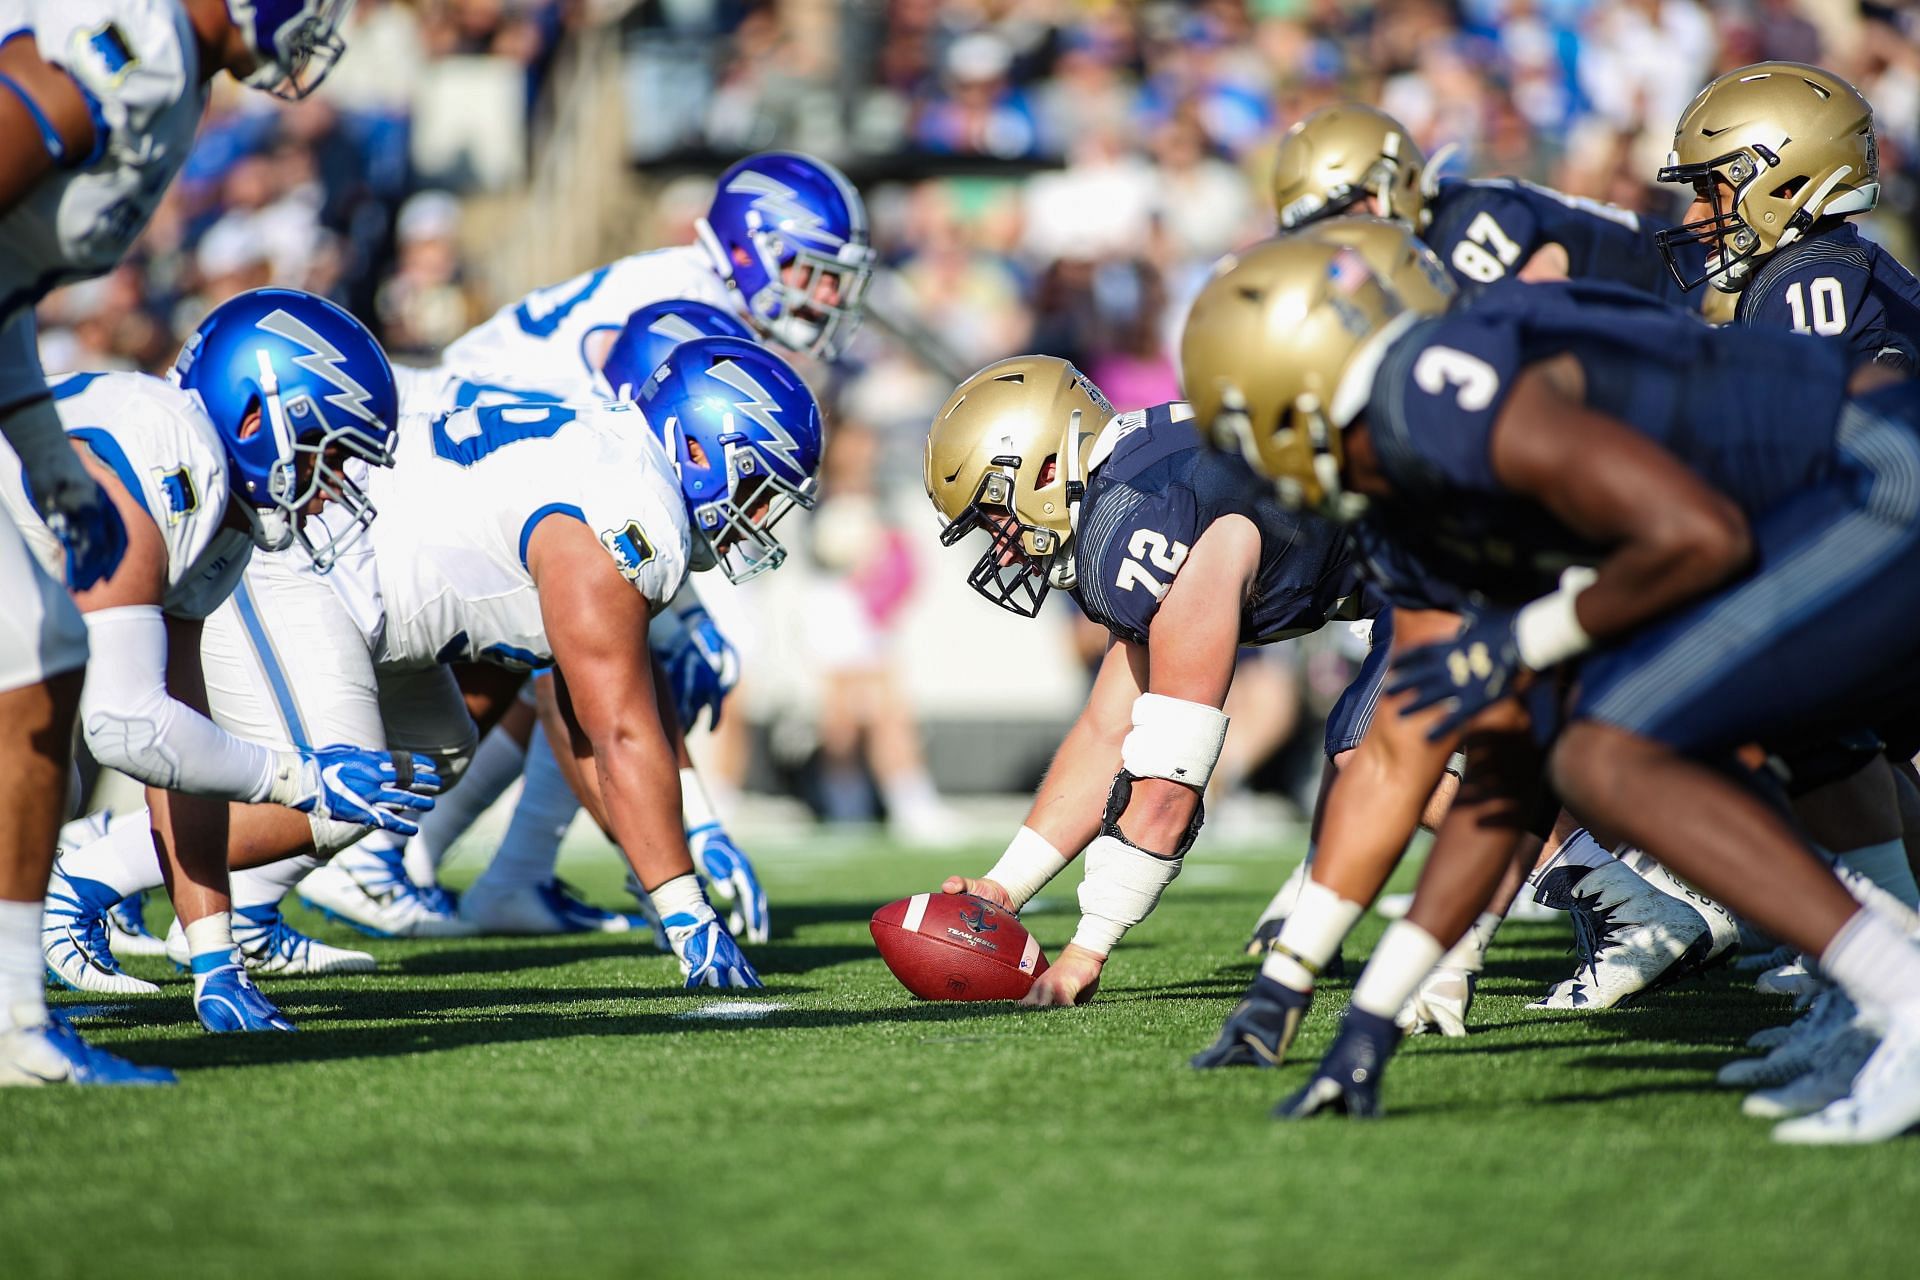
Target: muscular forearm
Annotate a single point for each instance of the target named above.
(640, 789)
(1073, 795)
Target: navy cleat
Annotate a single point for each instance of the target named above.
(1347, 1081)
(52, 1052)
(226, 1000)
(127, 928)
(1260, 1029)
(74, 938)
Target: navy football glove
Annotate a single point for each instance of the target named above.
(1470, 672)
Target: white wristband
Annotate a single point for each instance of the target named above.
(1025, 868)
(1547, 632)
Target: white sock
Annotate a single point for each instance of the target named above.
(23, 986)
(696, 810)
(1580, 850)
(210, 943)
(124, 859)
(1405, 954)
(1875, 962)
(1886, 865)
(265, 886)
(531, 848)
(1281, 905)
(1311, 937)
(681, 904)
(498, 761)
(1470, 953)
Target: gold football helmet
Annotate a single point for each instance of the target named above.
(1771, 148)
(1008, 454)
(1282, 344)
(1341, 154)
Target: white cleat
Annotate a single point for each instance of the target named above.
(539, 909)
(73, 939)
(1885, 1098)
(1721, 923)
(1441, 1003)
(370, 892)
(1794, 979)
(268, 944)
(1830, 1014)
(1830, 1080)
(1630, 936)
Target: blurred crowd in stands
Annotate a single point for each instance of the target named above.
(1052, 175)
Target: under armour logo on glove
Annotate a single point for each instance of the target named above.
(1468, 673)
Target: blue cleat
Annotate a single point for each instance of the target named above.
(708, 954)
(1260, 1029)
(1347, 1081)
(74, 941)
(538, 909)
(53, 1053)
(226, 1000)
(367, 888)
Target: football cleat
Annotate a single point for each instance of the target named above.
(1629, 936)
(532, 909)
(226, 1000)
(127, 929)
(52, 1052)
(1440, 1003)
(1760, 961)
(1260, 1029)
(1885, 1097)
(74, 940)
(268, 944)
(1347, 1081)
(1829, 1081)
(709, 957)
(369, 890)
(1830, 1014)
(1721, 923)
(1794, 979)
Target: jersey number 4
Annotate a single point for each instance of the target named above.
(1829, 307)
(1154, 549)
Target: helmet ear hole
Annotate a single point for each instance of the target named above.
(1049, 469)
(1788, 189)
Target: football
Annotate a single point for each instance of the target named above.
(953, 946)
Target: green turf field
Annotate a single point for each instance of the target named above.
(557, 1107)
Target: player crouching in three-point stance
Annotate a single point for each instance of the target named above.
(1741, 533)
(273, 397)
(517, 536)
(1181, 554)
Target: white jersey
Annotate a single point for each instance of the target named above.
(138, 65)
(552, 340)
(461, 502)
(157, 439)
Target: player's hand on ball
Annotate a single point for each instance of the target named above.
(1072, 979)
(991, 890)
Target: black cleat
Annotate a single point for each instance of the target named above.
(1347, 1081)
(1260, 1029)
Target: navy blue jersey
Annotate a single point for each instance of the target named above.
(1752, 411)
(1485, 229)
(1838, 284)
(1146, 506)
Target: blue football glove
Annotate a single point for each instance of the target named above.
(93, 536)
(731, 884)
(75, 509)
(366, 788)
(1470, 672)
(701, 667)
(708, 954)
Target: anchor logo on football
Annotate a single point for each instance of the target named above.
(978, 920)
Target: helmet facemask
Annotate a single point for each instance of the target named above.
(301, 433)
(1731, 245)
(1022, 562)
(735, 531)
(790, 313)
(303, 50)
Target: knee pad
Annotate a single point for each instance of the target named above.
(1174, 739)
(452, 761)
(1120, 793)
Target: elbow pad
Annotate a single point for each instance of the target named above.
(132, 724)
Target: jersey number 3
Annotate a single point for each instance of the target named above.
(1829, 307)
(1155, 550)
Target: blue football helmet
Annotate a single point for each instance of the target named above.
(297, 41)
(745, 437)
(297, 388)
(778, 210)
(656, 329)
